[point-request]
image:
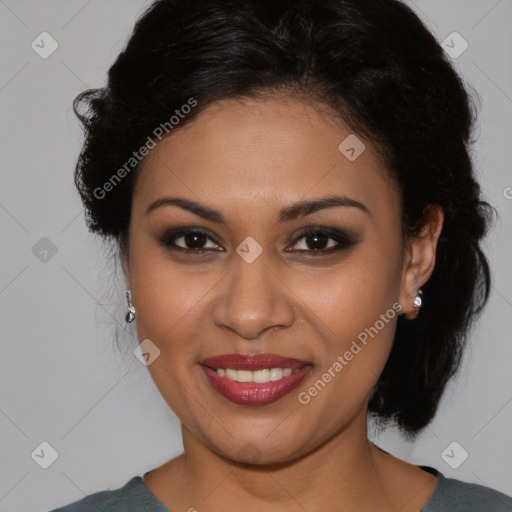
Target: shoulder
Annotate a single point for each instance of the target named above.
(451, 495)
(133, 496)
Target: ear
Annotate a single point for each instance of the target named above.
(419, 259)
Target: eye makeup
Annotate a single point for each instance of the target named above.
(317, 241)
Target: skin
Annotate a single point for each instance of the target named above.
(248, 160)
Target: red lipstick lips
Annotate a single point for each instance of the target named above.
(279, 381)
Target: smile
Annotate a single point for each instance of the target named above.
(261, 376)
(254, 380)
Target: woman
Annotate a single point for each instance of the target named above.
(293, 200)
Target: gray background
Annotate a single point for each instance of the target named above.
(62, 379)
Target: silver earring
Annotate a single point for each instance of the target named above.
(130, 316)
(418, 300)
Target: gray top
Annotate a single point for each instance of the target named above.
(449, 495)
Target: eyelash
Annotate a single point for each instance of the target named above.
(342, 239)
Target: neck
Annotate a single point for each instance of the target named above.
(342, 471)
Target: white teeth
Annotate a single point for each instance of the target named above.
(276, 374)
(244, 376)
(231, 374)
(260, 376)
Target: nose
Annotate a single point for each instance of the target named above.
(253, 300)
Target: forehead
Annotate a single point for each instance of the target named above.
(264, 153)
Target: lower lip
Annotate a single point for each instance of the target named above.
(255, 393)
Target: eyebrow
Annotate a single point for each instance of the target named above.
(289, 213)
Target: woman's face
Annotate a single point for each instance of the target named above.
(252, 283)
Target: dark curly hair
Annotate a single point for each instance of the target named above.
(376, 65)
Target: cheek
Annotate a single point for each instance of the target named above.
(168, 308)
(356, 347)
(354, 308)
(166, 296)
(353, 294)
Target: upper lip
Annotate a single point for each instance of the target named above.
(253, 362)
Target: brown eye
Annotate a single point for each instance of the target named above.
(317, 240)
(321, 241)
(189, 240)
(193, 240)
